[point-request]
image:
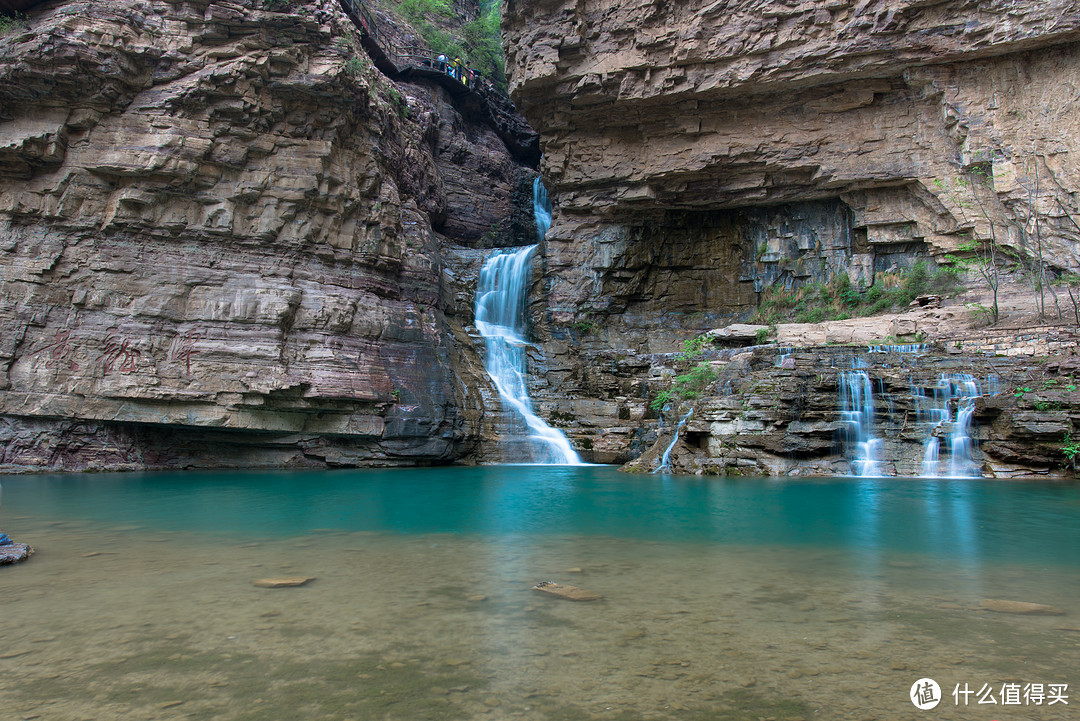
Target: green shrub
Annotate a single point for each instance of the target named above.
(661, 400)
(13, 23)
(354, 66)
(694, 348)
(687, 386)
(693, 383)
(478, 41)
(840, 299)
(1070, 448)
(584, 327)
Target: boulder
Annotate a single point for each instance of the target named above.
(14, 553)
(742, 333)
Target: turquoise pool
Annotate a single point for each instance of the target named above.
(750, 598)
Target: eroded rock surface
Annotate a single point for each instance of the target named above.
(701, 153)
(743, 143)
(220, 235)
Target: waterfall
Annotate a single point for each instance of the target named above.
(665, 460)
(500, 318)
(541, 208)
(952, 391)
(857, 417)
(930, 457)
(965, 391)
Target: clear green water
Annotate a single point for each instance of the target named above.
(745, 599)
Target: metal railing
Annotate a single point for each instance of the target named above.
(416, 57)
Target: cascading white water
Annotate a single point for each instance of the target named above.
(857, 417)
(930, 457)
(665, 460)
(965, 390)
(500, 318)
(541, 208)
(955, 391)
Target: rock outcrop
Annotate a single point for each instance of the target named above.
(744, 143)
(220, 233)
(702, 153)
(769, 413)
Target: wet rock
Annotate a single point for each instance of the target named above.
(1020, 607)
(14, 553)
(570, 593)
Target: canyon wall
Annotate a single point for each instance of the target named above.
(928, 125)
(221, 239)
(702, 152)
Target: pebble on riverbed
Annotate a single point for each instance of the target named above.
(14, 553)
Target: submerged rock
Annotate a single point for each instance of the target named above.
(1020, 607)
(283, 581)
(570, 593)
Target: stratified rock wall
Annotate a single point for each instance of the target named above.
(699, 152)
(218, 246)
(933, 123)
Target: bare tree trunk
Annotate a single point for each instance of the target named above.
(1074, 297)
(988, 268)
(1044, 282)
(1029, 262)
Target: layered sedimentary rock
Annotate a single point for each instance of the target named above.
(925, 124)
(777, 414)
(219, 242)
(702, 152)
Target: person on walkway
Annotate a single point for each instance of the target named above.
(457, 68)
(442, 63)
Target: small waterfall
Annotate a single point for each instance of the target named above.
(965, 390)
(952, 391)
(905, 348)
(541, 208)
(857, 417)
(930, 457)
(665, 460)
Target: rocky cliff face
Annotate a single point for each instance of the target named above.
(699, 153)
(773, 413)
(220, 235)
(913, 127)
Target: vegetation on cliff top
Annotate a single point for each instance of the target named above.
(478, 41)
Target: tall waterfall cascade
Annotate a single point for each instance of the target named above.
(501, 297)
